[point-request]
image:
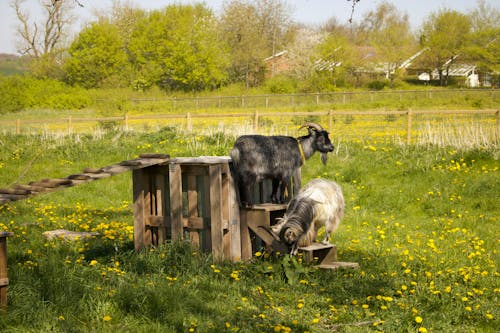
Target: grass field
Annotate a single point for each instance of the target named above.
(421, 220)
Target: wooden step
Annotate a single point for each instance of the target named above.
(325, 255)
(322, 253)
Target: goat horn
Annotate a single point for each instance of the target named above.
(313, 125)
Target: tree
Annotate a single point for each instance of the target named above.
(338, 59)
(43, 40)
(484, 43)
(445, 34)
(390, 35)
(247, 48)
(254, 30)
(97, 57)
(178, 48)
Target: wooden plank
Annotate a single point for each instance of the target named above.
(269, 207)
(194, 219)
(4, 281)
(234, 225)
(138, 180)
(175, 179)
(195, 170)
(202, 160)
(159, 186)
(196, 222)
(154, 156)
(339, 264)
(216, 227)
(246, 242)
(156, 221)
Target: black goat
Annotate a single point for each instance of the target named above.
(257, 157)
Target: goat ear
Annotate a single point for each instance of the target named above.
(324, 158)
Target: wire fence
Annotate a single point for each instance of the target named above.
(471, 127)
(403, 98)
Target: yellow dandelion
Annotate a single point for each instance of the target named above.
(418, 319)
(107, 318)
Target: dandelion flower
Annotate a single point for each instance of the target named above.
(418, 319)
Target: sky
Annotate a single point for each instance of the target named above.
(304, 11)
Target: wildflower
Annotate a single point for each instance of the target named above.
(422, 330)
(93, 263)
(107, 318)
(418, 319)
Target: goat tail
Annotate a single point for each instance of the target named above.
(235, 155)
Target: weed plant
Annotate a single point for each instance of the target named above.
(421, 221)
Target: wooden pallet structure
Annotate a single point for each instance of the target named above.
(188, 198)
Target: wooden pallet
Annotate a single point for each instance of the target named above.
(188, 198)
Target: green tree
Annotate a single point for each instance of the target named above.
(484, 43)
(179, 48)
(254, 30)
(97, 57)
(445, 34)
(390, 35)
(338, 59)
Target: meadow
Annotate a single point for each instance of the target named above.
(422, 221)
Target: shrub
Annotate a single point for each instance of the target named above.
(280, 84)
(22, 92)
(377, 85)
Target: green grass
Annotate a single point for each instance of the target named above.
(422, 222)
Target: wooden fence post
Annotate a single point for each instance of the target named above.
(330, 121)
(408, 128)
(189, 123)
(18, 126)
(498, 123)
(69, 125)
(256, 122)
(125, 120)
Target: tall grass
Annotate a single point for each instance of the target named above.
(422, 222)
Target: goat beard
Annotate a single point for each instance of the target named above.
(324, 158)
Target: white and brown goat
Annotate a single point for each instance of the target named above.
(319, 203)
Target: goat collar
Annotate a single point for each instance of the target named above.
(301, 152)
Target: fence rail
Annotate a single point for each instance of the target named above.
(257, 120)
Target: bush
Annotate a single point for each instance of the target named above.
(280, 84)
(377, 85)
(23, 92)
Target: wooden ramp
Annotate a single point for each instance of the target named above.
(21, 192)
